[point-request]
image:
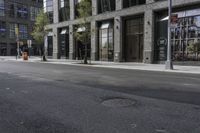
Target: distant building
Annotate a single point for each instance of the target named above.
(19, 14)
(126, 30)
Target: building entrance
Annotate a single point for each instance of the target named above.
(106, 45)
(80, 47)
(50, 45)
(64, 43)
(3, 49)
(133, 49)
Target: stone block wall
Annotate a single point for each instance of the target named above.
(147, 10)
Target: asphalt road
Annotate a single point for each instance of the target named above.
(53, 98)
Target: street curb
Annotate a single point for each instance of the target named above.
(125, 68)
(111, 67)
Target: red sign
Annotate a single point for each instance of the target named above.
(174, 18)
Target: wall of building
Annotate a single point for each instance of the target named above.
(11, 42)
(146, 10)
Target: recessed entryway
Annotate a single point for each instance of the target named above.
(133, 39)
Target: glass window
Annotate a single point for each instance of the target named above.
(34, 12)
(39, 1)
(3, 49)
(2, 8)
(2, 29)
(106, 5)
(129, 3)
(11, 9)
(23, 31)
(185, 37)
(48, 8)
(77, 6)
(64, 10)
(12, 30)
(106, 45)
(22, 11)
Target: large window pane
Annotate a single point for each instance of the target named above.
(129, 3)
(34, 11)
(2, 8)
(184, 37)
(64, 10)
(2, 29)
(76, 2)
(22, 11)
(23, 31)
(106, 45)
(48, 8)
(11, 9)
(106, 5)
(12, 30)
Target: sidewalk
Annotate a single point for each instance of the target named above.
(123, 65)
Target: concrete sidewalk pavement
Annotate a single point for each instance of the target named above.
(123, 65)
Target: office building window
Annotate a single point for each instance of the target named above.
(77, 6)
(2, 8)
(76, 2)
(48, 8)
(64, 10)
(2, 29)
(23, 31)
(34, 12)
(11, 9)
(106, 5)
(38, 1)
(12, 30)
(129, 3)
(22, 11)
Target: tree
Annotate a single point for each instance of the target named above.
(194, 48)
(84, 9)
(39, 31)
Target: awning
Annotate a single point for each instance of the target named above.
(105, 26)
(165, 18)
(187, 13)
(81, 29)
(63, 31)
(50, 34)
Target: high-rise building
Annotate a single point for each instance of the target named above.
(126, 30)
(21, 15)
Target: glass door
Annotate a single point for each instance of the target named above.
(134, 40)
(106, 46)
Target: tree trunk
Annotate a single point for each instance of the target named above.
(85, 56)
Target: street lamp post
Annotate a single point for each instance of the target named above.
(168, 64)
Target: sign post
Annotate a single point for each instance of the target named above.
(168, 64)
(17, 40)
(29, 42)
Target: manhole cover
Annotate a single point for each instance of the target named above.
(118, 102)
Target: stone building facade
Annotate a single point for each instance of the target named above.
(126, 31)
(20, 14)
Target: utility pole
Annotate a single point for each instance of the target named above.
(168, 64)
